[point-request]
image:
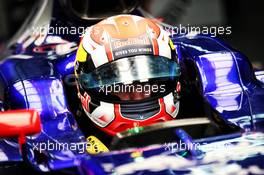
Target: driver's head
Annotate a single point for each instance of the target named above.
(127, 73)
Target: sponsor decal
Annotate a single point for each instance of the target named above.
(131, 46)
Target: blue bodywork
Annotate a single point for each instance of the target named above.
(227, 83)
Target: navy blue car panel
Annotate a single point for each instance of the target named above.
(227, 78)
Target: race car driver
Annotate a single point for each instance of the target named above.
(127, 72)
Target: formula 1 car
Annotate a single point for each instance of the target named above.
(219, 128)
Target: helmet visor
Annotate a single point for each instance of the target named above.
(130, 70)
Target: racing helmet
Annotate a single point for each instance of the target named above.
(127, 74)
